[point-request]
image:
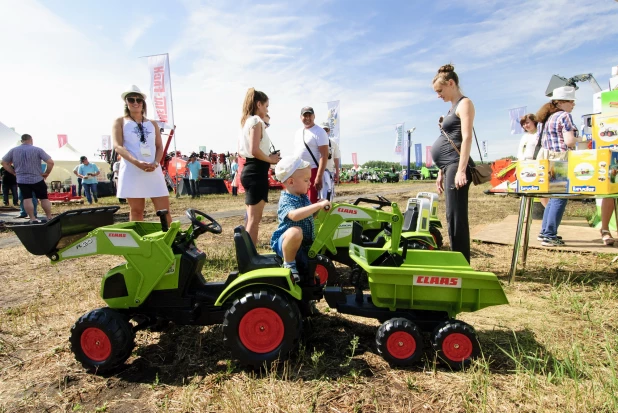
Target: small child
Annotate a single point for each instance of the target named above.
(295, 211)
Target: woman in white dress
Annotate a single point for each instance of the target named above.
(138, 141)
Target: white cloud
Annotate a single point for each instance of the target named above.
(57, 80)
(138, 30)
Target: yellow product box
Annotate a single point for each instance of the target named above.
(593, 172)
(609, 103)
(605, 131)
(542, 176)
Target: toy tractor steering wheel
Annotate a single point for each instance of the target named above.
(199, 226)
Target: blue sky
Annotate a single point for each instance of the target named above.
(66, 62)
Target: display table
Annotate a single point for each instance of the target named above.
(524, 218)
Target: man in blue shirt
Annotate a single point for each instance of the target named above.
(295, 211)
(89, 172)
(195, 168)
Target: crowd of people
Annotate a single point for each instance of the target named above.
(308, 174)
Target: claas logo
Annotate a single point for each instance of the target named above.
(116, 235)
(452, 282)
(347, 210)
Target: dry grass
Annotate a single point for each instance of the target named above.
(552, 349)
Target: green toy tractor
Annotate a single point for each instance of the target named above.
(260, 305)
(420, 229)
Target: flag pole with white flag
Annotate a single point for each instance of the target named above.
(161, 91)
(516, 114)
(334, 120)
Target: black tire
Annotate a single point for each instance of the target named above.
(456, 344)
(102, 340)
(399, 342)
(384, 180)
(437, 236)
(326, 271)
(261, 327)
(396, 179)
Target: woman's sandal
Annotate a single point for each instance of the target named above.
(606, 237)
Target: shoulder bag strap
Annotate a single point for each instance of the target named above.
(310, 153)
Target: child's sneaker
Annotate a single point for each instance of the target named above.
(552, 242)
(293, 270)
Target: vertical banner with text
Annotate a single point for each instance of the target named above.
(62, 140)
(161, 90)
(399, 139)
(484, 149)
(418, 154)
(334, 121)
(355, 160)
(106, 143)
(428, 159)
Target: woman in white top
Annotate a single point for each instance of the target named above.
(528, 142)
(138, 141)
(254, 146)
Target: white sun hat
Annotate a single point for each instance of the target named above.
(563, 93)
(132, 89)
(287, 166)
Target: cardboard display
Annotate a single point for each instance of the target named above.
(593, 172)
(542, 176)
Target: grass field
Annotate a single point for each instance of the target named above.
(552, 349)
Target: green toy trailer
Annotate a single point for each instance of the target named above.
(412, 291)
(260, 305)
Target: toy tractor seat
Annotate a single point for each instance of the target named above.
(47, 238)
(247, 256)
(410, 218)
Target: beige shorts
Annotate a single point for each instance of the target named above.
(552, 155)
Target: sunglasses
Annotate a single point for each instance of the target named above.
(135, 100)
(142, 138)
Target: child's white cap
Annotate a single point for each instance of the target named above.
(287, 166)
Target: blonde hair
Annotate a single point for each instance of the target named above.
(446, 73)
(249, 106)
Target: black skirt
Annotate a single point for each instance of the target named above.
(254, 178)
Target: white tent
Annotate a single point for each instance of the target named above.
(66, 159)
(8, 139)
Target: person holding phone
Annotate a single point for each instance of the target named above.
(89, 172)
(254, 146)
(451, 153)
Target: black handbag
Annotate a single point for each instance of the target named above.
(480, 173)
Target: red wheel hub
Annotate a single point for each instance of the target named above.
(401, 345)
(261, 330)
(95, 344)
(457, 347)
(322, 273)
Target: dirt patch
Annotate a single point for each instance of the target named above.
(551, 349)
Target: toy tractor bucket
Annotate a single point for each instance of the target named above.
(47, 238)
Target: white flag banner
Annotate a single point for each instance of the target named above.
(516, 114)
(106, 143)
(161, 90)
(403, 159)
(334, 121)
(484, 149)
(399, 139)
